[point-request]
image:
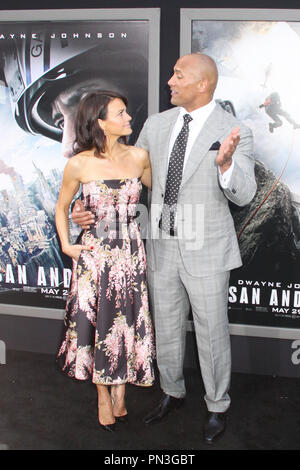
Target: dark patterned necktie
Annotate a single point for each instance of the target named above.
(167, 222)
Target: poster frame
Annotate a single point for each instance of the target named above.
(187, 16)
(152, 15)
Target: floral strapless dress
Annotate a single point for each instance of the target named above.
(108, 334)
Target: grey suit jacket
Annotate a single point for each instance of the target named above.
(206, 233)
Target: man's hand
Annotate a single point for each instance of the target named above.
(227, 149)
(82, 217)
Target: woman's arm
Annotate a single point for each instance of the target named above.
(69, 187)
(147, 175)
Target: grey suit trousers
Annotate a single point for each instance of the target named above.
(173, 291)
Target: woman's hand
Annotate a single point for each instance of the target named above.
(74, 250)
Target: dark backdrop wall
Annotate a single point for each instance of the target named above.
(281, 357)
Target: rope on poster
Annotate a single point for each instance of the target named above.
(271, 190)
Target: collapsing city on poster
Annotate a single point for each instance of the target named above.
(45, 68)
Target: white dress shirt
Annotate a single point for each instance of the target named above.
(199, 116)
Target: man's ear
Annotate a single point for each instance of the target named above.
(203, 85)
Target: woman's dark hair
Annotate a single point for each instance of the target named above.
(88, 133)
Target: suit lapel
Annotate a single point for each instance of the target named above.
(163, 145)
(210, 132)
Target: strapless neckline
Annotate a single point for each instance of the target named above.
(112, 179)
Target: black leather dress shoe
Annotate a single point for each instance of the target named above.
(214, 427)
(166, 405)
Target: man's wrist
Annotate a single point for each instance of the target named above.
(225, 167)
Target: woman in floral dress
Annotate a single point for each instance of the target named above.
(108, 333)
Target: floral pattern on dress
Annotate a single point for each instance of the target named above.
(108, 333)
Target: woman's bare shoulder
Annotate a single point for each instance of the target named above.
(139, 152)
(76, 165)
(79, 158)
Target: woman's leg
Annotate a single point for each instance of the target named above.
(118, 400)
(105, 410)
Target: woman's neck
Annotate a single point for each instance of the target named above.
(112, 148)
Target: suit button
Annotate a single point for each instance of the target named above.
(162, 195)
(233, 191)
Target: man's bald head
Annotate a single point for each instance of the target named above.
(208, 68)
(204, 68)
(194, 81)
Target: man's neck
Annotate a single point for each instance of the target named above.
(190, 109)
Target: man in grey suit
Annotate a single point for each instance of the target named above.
(189, 265)
(201, 157)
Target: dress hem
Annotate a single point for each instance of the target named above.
(89, 379)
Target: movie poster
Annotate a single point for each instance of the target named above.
(259, 76)
(45, 67)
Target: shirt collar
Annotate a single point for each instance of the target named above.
(200, 113)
